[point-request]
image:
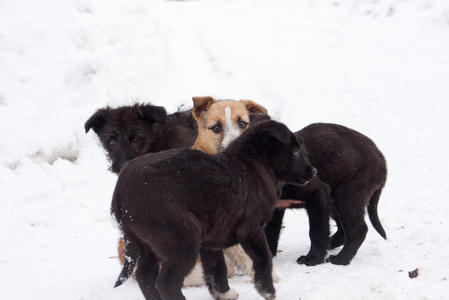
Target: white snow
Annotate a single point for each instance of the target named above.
(380, 67)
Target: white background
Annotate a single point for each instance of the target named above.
(378, 66)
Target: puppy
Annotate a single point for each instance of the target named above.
(351, 174)
(220, 121)
(130, 131)
(175, 205)
(218, 124)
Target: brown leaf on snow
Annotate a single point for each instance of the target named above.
(413, 274)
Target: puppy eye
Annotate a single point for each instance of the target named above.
(216, 129)
(243, 124)
(111, 144)
(296, 152)
(137, 140)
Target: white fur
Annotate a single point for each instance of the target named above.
(231, 132)
(268, 296)
(265, 295)
(229, 295)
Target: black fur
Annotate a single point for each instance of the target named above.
(130, 131)
(351, 174)
(174, 205)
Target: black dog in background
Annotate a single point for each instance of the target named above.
(351, 174)
(173, 205)
(130, 131)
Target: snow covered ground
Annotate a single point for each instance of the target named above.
(380, 67)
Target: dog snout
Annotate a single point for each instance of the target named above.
(117, 165)
(305, 176)
(311, 172)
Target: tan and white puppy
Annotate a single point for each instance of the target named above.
(220, 122)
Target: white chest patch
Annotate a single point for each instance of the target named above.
(231, 131)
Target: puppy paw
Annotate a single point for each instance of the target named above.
(267, 292)
(269, 296)
(337, 260)
(310, 260)
(229, 295)
(275, 276)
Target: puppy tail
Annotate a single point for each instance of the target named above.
(372, 212)
(132, 253)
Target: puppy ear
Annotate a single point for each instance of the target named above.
(97, 120)
(201, 104)
(253, 107)
(151, 113)
(276, 132)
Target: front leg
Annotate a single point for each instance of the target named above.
(253, 241)
(273, 230)
(215, 275)
(317, 206)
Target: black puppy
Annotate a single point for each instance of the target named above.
(175, 205)
(130, 131)
(351, 174)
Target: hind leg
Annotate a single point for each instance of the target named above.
(352, 219)
(176, 245)
(176, 261)
(215, 275)
(171, 277)
(146, 274)
(178, 251)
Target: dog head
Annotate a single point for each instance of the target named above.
(277, 147)
(128, 131)
(220, 122)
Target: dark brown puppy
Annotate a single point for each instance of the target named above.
(175, 205)
(351, 174)
(130, 131)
